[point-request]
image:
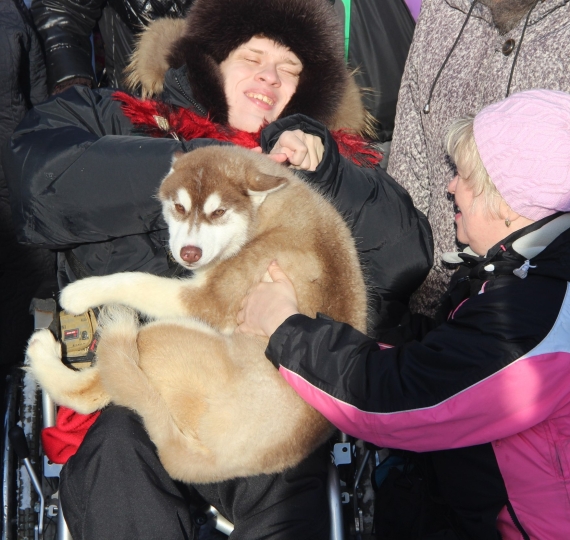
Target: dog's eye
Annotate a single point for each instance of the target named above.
(219, 212)
(179, 208)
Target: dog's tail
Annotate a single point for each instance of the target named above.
(80, 390)
(118, 359)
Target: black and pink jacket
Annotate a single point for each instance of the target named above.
(486, 393)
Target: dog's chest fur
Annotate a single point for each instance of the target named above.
(284, 220)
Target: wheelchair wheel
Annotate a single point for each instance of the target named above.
(27, 501)
(30, 420)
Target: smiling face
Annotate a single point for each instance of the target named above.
(260, 77)
(473, 222)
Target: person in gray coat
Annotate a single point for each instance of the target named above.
(467, 54)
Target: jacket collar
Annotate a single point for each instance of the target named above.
(544, 8)
(517, 253)
(178, 92)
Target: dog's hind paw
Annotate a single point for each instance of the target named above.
(42, 347)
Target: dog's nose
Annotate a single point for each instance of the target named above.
(190, 254)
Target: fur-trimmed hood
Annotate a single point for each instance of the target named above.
(213, 28)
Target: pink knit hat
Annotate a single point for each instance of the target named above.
(524, 143)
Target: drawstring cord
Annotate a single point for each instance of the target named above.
(426, 109)
(519, 47)
(522, 272)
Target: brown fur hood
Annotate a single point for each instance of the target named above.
(213, 28)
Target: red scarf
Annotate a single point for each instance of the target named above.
(162, 120)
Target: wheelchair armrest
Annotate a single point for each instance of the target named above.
(44, 312)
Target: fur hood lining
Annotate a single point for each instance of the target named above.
(213, 28)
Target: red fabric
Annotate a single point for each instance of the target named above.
(62, 441)
(188, 125)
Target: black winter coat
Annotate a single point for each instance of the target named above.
(82, 177)
(22, 269)
(65, 27)
(379, 36)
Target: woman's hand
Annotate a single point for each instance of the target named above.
(301, 150)
(267, 304)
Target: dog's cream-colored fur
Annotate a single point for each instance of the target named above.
(214, 406)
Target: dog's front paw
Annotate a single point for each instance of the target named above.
(78, 297)
(42, 347)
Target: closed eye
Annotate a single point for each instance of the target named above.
(292, 73)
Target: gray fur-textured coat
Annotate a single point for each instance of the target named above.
(476, 74)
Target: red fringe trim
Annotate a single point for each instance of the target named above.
(188, 125)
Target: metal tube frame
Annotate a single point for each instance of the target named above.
(8, 461)
(335, 505)
(39, 528)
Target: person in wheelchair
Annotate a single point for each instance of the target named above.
(85, 165)
(486, 393)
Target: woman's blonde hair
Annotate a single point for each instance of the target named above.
(461, 148)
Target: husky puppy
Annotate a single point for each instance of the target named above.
(213, 405)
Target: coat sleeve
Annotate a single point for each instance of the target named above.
(78, 175)
(65, 28)
(393, 239)
(475, 379)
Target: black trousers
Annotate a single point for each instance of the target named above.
(115, 488)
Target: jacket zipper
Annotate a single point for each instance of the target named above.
(516, 521)
(192, 101)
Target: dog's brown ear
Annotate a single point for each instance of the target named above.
(260, 185)
(261, 182)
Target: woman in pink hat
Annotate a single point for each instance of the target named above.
(485, 394)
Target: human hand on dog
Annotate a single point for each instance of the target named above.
(267, 304)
